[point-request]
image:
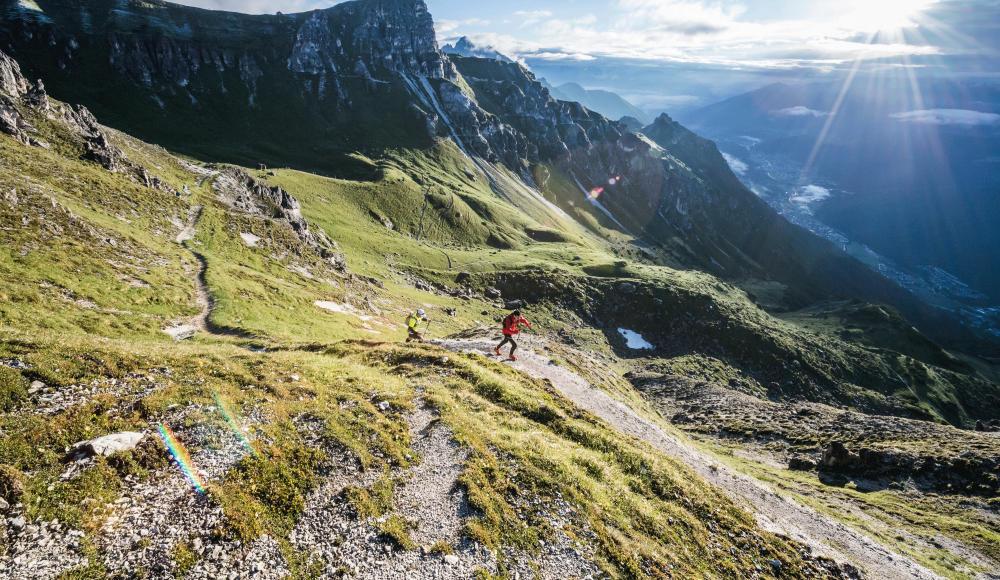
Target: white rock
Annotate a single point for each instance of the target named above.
(383, 405)
(35, 387)
(451, 559)
(109, 443)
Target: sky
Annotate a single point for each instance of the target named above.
(676, 54)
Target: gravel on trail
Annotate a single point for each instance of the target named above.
(774, 512)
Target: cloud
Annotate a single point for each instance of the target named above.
(948, 117)
(735, 164)
(799, 111)
(680, 17)
(811, 193)
(441, 26)
(532, 17)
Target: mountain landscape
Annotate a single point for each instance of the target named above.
(606, 103)
(215, 226)
(906, 182)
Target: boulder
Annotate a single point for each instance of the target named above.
(35, 387)
(513, 304)
(492, 293)
(337, 260)
(106, 445)
(836, 455)
(626, 288)
(462, 277)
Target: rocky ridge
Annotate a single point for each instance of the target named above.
(20, 100)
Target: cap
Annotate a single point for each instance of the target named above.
(420, 312)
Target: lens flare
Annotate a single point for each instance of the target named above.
(231, 421)
(596, 192)
(182, 457)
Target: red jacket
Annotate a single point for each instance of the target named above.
(512, 323)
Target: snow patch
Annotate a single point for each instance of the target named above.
(634, 339)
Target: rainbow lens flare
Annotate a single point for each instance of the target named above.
(182, 457)
(231, 421)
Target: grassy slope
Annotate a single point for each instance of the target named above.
(68, 288)
(95, 319)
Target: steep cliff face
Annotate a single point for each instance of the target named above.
(12, 86)
(309, 87)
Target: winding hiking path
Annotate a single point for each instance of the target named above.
(201, 321)
(774, 512)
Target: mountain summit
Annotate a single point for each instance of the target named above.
(465, 47)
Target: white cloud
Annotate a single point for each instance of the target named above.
(532, 17)
(948, 117)
(441, 26)
(811, 193)
(799, 111)
(735, 164)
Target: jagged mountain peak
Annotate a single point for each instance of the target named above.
(465, 47)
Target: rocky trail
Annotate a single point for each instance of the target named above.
(774, 512)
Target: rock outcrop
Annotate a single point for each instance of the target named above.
(12, 83)
(19, 97)
(243, 193)
(12, 87)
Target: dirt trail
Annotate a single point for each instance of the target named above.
(774, 512)
(201, 321)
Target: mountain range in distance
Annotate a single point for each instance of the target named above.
(906, 179)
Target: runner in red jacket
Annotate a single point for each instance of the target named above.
(511, 327)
